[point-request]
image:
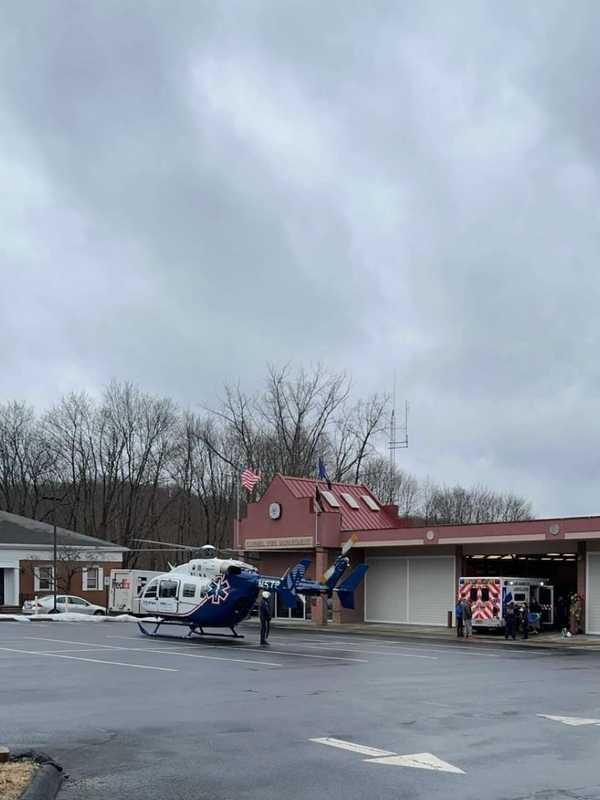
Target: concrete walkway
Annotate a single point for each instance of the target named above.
(549, 639)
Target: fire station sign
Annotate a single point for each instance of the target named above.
(281, 542)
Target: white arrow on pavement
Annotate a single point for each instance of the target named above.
(417, 760)
(575, 721)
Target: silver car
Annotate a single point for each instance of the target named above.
(64, 602)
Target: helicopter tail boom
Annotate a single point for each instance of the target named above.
(286, 586)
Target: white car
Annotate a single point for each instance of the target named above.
(64, 602)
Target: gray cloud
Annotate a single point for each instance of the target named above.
(191, 191)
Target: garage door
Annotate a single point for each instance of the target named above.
(592, 612)
(417, 590)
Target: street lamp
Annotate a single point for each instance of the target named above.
(55, 501)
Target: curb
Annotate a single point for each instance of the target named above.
(47, 780)
(46, 783)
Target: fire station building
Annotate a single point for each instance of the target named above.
(413, 568)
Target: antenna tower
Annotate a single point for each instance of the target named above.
(398, 438)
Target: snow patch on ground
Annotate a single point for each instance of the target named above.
(70, 616)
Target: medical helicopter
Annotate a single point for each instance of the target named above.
(213, 592)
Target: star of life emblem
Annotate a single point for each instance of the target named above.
(218, 591)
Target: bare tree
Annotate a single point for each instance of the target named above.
(131, 465)
(354, 435)
(24, 460)
(458, 505)
(392, 485)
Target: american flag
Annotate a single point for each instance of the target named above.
(250, 479)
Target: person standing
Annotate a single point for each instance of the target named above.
(265, 618)
(562, 614)
(575, 614)
(459, 618)
(468, 619)
(510, 622)
(525, 620)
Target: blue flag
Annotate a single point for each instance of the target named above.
(323, 473)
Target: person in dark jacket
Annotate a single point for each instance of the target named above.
(562, 613)
(525, 620)
(459, 618)
(510, 622)
(468, 619)
(265, 618)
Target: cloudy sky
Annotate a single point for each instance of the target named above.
(193, 189)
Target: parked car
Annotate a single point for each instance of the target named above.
(64, 602)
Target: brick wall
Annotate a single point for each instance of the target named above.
(27, 584)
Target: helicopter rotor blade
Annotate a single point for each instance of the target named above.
(149, 550)
(169, 545)
(347, 546)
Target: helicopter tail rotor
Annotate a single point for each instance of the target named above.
(337, 569)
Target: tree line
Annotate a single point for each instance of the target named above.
(131, 465)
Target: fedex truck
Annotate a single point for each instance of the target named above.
(126, 587)
(489, 597)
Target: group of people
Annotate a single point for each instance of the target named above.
(464, 619)
(516, 617)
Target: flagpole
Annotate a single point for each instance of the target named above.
(316, 515)
(237, 508)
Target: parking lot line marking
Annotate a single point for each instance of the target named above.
(199, 655)
(499, 652)
(303, 655)
(461, 650)
(173, 652)
(341, 744)
(91, 660)
(68, 641)
(187, 643)
(368, 652)
(77, 650)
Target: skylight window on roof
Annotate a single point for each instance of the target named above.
(331, 499)
(350, 500)
(370, 502)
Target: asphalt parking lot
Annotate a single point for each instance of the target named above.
(314, 714)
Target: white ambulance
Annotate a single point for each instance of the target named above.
(126, 587)
(489, 597)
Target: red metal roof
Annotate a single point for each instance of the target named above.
(353, 519)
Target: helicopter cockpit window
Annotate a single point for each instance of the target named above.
(189, 590)
(151, 590)
(168, 589)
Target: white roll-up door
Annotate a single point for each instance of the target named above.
(417, 590)
(431, 590)
(386, 590)
(592, 611)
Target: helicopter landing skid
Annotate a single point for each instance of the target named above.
(193, 630)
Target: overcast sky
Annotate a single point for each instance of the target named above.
(190, 190)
